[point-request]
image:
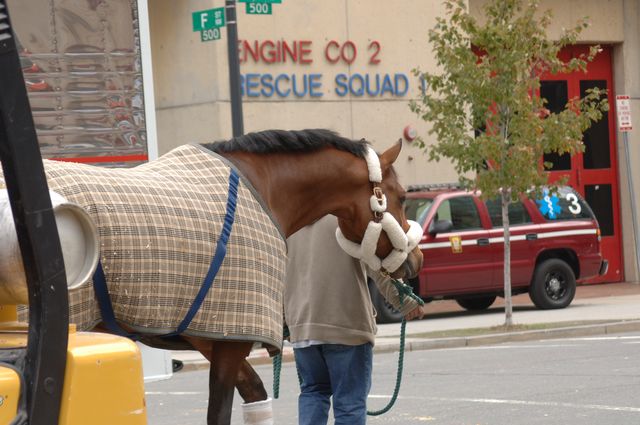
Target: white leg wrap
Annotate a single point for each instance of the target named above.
(258, 413)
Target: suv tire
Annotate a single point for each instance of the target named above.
(553, 285)
(385, 311)
(476, 303)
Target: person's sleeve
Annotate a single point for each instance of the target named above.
(390, 293)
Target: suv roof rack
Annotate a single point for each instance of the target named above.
(432, 186)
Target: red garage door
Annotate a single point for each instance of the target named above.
(593, 173)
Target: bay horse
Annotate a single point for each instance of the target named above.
(293, 178)
(302, 176)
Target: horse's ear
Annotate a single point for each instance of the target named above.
(389, 156)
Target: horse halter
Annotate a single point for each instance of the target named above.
(403, 243)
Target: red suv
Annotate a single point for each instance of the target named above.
(555, 242)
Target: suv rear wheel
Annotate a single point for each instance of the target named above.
(476, 303)
(553, 285)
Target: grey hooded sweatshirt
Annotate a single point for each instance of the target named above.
(326, 293)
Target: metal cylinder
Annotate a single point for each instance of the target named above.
(78, 239)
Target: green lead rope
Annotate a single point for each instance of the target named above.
(403, 291)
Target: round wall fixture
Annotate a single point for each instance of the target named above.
(410, 133)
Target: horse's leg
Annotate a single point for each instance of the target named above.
(249, 384)
(225, 364)
(257, 406)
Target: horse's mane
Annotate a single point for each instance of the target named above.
(272, 141)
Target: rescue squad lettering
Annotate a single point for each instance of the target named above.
(300, 52)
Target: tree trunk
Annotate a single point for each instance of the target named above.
(508, 307)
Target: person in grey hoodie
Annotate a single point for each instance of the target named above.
(332, 326)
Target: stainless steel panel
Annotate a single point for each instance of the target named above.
(81, 62)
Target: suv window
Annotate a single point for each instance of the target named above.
(565, 204)
(518, 214)
(461, 211)
(416, 209)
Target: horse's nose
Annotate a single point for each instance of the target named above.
(411, 266)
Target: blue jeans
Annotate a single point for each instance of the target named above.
(341, 371)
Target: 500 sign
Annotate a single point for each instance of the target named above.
(211, 34)
(258, 8)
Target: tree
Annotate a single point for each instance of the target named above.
(484, 104)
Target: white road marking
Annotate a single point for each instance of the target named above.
(603, 338)
(521, 402)
(173, 392)
(504, 347)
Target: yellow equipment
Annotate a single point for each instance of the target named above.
(103, 382)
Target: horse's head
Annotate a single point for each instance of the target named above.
(389, 241)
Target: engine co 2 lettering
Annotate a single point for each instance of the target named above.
(301, 51)
(351, 79)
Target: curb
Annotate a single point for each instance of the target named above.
(470, 341)
(261, 357)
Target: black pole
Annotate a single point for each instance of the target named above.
(37, 237)
(234, 68)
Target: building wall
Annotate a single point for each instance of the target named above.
(191, 78)
(605, 18)
(626, 66)
(192, 92)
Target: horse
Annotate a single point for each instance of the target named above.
(298, 177)
(320, 174)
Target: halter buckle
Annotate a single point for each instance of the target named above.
(377, 192)
(377, 216)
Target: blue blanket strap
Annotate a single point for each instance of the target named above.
(100, 283)
(104, 302)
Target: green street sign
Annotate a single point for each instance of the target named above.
(258, 8)
(208, 19)
(210, 34)
(260, 1)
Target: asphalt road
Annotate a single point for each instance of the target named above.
(586, 381)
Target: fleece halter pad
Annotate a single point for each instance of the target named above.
(403, 243)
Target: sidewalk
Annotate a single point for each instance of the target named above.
(615, 307)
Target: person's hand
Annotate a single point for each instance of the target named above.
(417, 313)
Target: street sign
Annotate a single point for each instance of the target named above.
(623, 109)
(258, 8)
(208, 19)
(208, 35)
(260, 1)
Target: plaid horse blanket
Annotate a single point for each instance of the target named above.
(158, 225)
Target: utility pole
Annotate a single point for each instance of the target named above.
(234, 68)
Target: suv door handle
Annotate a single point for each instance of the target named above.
(483, 241)
(531, 237)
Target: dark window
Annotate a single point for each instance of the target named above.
(566, 204)
(596, 138)
(556, 94)
(599, 198)
(517, 213)
(461, 211)
(416, 209)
